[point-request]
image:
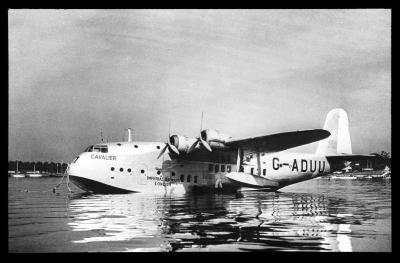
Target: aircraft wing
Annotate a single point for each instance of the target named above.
(280, 141)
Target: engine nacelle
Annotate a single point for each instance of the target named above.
(182, 143)
(215, 138)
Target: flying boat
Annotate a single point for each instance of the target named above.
(214, 161)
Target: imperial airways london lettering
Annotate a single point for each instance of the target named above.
(104, 157)
(302, 165)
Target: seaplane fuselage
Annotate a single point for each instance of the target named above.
(214, 161)
(134, 167)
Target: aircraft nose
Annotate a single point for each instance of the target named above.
(72, 168)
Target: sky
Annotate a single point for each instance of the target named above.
(74, 74)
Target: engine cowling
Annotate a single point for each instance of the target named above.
(182, 143)
(215, 139)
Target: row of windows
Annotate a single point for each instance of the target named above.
(121, 169)
(215, 168)
(211, 168)
(188, 178)
(129, 170)
(136, 146)
(264, 171)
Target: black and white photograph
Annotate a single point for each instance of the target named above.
(199, 130)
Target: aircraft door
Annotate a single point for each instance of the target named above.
(142, 174)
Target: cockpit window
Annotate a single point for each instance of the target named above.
(100, 148)
(89, 149)
(97, 148)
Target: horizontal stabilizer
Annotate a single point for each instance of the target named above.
(337, 161)
(248, 180)
(350, 157)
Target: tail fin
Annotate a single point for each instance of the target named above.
(337, 124)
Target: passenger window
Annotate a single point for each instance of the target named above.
(129, 170)
(182, 178)
(264, 171)
(112, 168)
(222, 168)
(158, 172)
(142, 171)
(121, 169)
(136, 146)
(210, 167)
(228, 168)
(252, 170)
(173, 174)
(188, 178)
(216, 168)
(195, 179)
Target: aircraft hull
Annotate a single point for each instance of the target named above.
(132, 170)
(96, 187)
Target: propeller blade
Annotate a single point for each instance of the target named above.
(162, 151)
(205, 144)
(168, 145)
(173, 148)
(193, 146)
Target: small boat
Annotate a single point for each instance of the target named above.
(343, 177)
(34, 173)
(18, 174)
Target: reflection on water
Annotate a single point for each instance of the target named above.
(317, 219)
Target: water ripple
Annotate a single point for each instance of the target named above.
(321, 215)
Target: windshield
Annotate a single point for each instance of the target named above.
(89, 149)
(97, 148)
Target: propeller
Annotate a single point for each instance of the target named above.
(168, 145)
(200, 140)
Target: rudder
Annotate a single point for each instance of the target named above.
(337, 123)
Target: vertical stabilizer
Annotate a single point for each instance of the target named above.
(337, 123)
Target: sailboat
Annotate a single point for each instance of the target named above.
(18, 174)
(34, 173)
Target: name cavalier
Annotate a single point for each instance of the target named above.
(104, 157)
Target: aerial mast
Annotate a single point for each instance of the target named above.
(129, 135)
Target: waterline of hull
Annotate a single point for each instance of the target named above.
(102, 188)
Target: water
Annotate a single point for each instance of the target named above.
(316, 215)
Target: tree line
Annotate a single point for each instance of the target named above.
(49, 167)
